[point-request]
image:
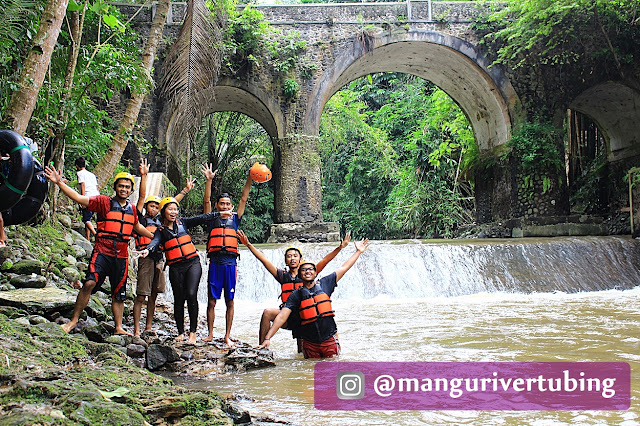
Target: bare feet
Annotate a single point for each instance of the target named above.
(209, 338)
(122, 332)
(69, 326)
(192, 338)
(136, 334)
(229, 343)
(180, 338)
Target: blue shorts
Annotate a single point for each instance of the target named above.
(222, 276)
(86, 215)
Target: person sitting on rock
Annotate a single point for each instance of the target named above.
(110, 257)
(313, 304)
(289, 281)
(151, 279)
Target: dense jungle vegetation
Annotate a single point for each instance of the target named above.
(398, 154)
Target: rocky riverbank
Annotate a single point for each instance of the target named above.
(92, 376)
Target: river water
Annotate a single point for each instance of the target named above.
(562, 299)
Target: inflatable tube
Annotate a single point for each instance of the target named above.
(16, 175)
(31, 202)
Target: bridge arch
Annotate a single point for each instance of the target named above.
(458, 67)
(228, 95)
(615, 109)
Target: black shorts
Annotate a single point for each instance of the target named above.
(116, 269)
(86, 215)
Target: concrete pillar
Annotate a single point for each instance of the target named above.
(298, 196)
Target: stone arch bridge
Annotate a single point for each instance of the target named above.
(346, 41)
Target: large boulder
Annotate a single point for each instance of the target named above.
(29, 281)
(159, 355)
(48, 301)
(26, 267)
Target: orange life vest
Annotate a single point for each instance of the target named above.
(151, 224)
(315, 306)
(223, 238)
(288, 288)
(118, 223)
(180, 247)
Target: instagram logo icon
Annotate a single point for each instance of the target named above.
(350, 385)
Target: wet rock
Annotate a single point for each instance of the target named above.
(186, 355)
(7, 252)
(237, 414)
(95, 334)
(78, 251)
(25, 267)
(115, 340)
(109, 327)
(68, 239)
(70, 260)
(136, 351)
(159, 355)
(45, 301)
(71, 274)
(139, 341)
(51, 329)
(247, 359)
(6, 265)
(37, 319)
(23, 321)
(64, 220)
(81, 241)
(29, 281)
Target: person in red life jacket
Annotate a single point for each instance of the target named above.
(110, 258)
(183, 260)
(151, 279)
(312, 302)
(289, 281)
(222, 249)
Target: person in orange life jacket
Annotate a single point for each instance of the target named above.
(289, 280)
(151, 279)
(110, 258)
(222, 248)
(183, 260)
(312, 302)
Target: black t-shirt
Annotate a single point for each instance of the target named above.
(320, 330)
(293, 323)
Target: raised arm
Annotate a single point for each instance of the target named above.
(56, 177)
(209, 174)
(360, 248)
(329, 257)
(142, 194)
(142, 230)
(282, 317)
(188, 187)
(244, 197)
(258, 254)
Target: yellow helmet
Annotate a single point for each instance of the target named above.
(152, 199)
(124, 175)
(306, 262)
(166, 201)
(292, 248)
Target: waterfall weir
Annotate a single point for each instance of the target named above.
(447, 268)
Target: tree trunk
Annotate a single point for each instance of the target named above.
(23, 100)
(76, 24)
(109, 161)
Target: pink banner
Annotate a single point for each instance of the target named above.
(472, 385)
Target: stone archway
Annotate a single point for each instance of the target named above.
(459, 68)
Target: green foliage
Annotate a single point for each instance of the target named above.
(392, 145)
(244, 37)
(291, 88)
(536, 146)
(567, 31)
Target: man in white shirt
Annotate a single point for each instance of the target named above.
(88, 187)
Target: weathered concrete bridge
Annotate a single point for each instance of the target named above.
(432, 40)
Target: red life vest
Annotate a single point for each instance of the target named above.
(118, 223)
(179, 247)
(315, 306)
(223, 238)
(151, 224)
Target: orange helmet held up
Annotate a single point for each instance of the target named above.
(260, 173)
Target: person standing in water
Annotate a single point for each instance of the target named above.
(312, 302)
(110, 258)
(289, 281)
(151, 279)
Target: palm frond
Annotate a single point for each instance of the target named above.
(192, 65)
